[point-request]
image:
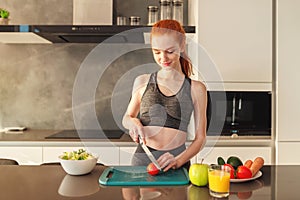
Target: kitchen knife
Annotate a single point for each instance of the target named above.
(149, 154)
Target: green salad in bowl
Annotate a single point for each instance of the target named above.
(78, 162)
(81, 154)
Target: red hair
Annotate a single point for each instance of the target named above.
(173, 26)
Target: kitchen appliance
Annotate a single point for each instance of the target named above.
(149, 154)
(248, 113)
(87, 134)
(93, 34)
(138, 176)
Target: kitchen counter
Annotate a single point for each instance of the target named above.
(33, 137)
(51, 182)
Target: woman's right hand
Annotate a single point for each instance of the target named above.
(136, 131)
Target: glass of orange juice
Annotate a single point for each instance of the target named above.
(219, 180)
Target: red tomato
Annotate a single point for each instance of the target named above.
(232, 176)
(243, 172)
(152, 170)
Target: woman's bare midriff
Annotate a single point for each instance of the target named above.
(163, 138)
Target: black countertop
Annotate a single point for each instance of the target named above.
(51, 182)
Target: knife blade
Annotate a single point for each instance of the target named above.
(149, 154)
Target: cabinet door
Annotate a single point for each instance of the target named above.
(23, 155)
(288, 95)
(244, 153)
(288, 153)
(127, 152)
(238, 37)
(126, 155)
(107, 155)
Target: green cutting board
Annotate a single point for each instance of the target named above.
(138, 176)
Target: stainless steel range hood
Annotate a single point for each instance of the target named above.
(78, 33)
(91, 34)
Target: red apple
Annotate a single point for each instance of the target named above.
(152, 170)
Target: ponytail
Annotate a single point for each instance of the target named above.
(186, 65)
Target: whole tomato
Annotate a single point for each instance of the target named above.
(152, 170)
(232, 171)
(243, 172)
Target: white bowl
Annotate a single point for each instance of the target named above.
(78, 167)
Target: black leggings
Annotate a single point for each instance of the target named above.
(141, 159)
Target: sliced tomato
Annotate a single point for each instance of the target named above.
(232, 171)
(243, 172)
(152, 170)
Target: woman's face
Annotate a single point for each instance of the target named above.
(166, 51)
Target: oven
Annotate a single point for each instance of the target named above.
(236, 113)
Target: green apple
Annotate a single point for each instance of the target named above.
(198, 174)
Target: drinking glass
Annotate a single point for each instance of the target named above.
(219, 180)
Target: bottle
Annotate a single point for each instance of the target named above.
(134, 20)
(165, 9)
(178, 11)
(152, 15)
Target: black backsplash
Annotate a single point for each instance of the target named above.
(139, 8)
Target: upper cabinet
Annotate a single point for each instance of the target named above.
(237, 35)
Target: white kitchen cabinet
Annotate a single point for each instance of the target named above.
(127, 152)
(92, 12)
(287, 82)
(23, 155)
(288, 153)
(107, 155)
(244, 153)
(237, 35)
(126, 155)
(288, 97)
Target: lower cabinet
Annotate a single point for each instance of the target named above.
(210, 155)
(107, 155)
(127, 152)
(287, 153)
(122, 155)
(23, 155)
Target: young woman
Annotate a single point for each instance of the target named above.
(162, 102)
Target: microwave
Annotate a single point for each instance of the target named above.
(236, 113)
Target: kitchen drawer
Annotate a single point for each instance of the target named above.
(287, 153)
(127, 152)
(107, 155)
(244, 153)
(126, 155)
(23, 155)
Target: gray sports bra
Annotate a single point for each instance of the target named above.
(167, 111)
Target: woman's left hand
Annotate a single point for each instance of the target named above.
(167, 161)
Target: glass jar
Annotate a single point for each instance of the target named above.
(152, 15)
(165, 9)
(121, 20)
(134, 20)
(178, 11)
